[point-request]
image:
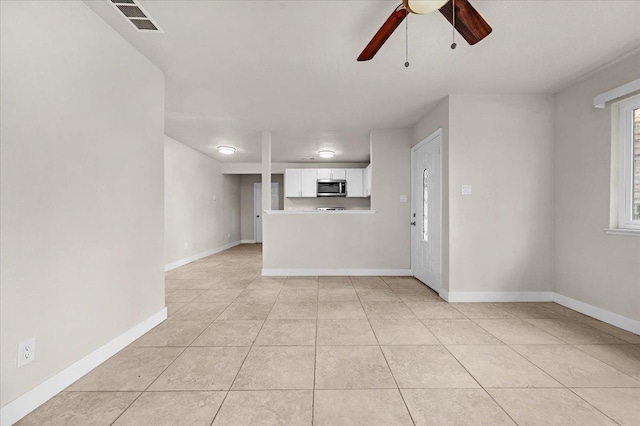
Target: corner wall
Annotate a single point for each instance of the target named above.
(501, 236)
(591, 267)
(195, 224)
(503, 146)
(81, 188)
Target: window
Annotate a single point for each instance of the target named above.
(425, 206)
(629, 209)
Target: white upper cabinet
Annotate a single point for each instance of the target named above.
(309, 183)
(332, 174)
(367, 181)
(338, 174)
(304, 182)
(300, 183)
(355, 182)
(324, 174)
(293, 183)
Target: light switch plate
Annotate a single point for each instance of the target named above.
(403, 199)
(467, 189)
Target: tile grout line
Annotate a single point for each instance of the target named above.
(315, 355)
(343, 389)
(575, 346)
(184, 350)
(148, 386)
(245, 358)
(593, 406)
(170, 364)
(385, 358)
(480, 384)
(563, 386)
(482, 387)
(190, 345)
(465, 368)
(474, 321)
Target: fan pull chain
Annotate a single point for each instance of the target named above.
(454, 45)
(406, 63)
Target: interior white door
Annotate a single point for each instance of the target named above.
(257, 206)
(426, 212)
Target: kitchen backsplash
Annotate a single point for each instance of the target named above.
(312, 203)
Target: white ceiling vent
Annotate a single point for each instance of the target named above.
(136, 15)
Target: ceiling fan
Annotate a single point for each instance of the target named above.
(465, 19)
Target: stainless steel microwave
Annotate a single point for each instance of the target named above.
(332, 188)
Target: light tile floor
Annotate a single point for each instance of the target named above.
(241, 349)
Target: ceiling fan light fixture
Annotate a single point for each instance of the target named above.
(326, 154)
(226, 150)
(423, 7)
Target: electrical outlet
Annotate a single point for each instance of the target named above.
(186, 246)
(26, 352)
(228, 237)
(466, 190)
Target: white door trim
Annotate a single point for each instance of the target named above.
(257, 206)
(433, 136)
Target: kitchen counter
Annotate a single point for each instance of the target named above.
(315, 212)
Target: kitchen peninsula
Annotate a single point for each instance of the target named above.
(369, 238)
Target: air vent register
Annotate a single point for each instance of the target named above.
(136, 15)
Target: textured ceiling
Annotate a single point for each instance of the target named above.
(234, 68)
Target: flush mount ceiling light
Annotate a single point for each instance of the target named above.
(226, 150)
(422, 7)
(326, 154)
(464, 18)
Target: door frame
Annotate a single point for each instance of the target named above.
(257, 207)
(433, 136)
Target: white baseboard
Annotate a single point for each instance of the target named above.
(247, 241)
(182, 262)
(444, 294)
(335, 272)
(598, 313)
(498, 296)
(26, 403)
(603, 315)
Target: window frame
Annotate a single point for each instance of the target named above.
(626, 180)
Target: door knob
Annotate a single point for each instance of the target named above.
(413, 223)
(258, 216)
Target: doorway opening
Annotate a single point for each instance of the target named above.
(257, 207)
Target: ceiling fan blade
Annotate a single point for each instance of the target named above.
(383, 33)
(471, 26)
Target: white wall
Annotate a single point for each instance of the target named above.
(591, 266)
(192, 217)
(500, 238)
(81, 187)
(367, 241)
(246, 202)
